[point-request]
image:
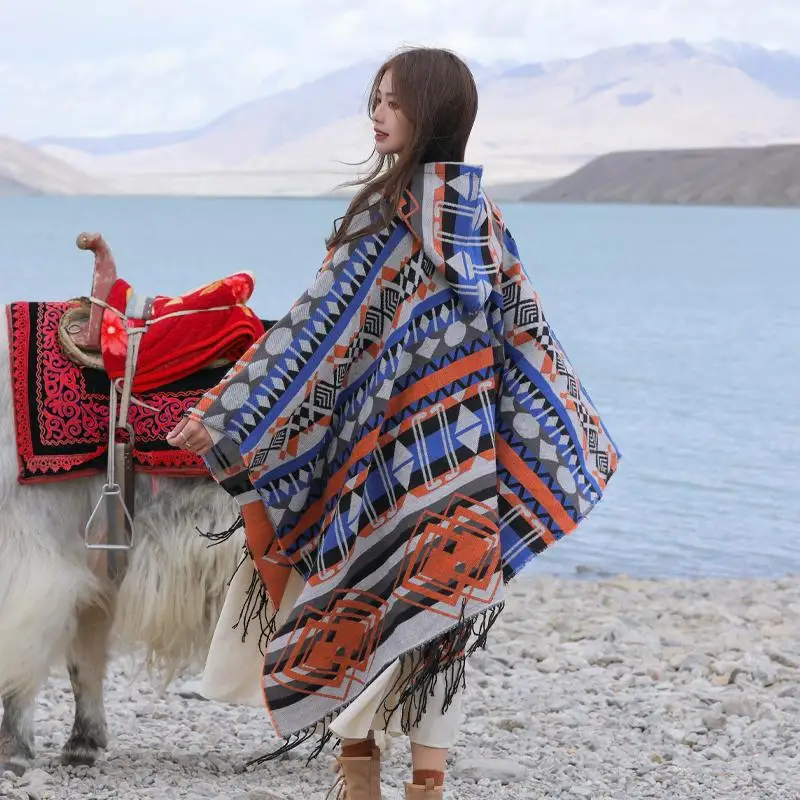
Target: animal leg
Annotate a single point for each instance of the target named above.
(16, 731)
(87, 659)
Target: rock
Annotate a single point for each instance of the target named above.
(739, 705)
(767, 711)
(630, 635)
(783, 659)
(763, 671)
(717, 752)
(728, 678)
(605, 660)
(720, 667)
(511, 724)
(691, 738)
(548, 665)
(762, 613)
(496, 769)
(714, 719)
(10, 792)
(693, 663)
(37, 777)
(675, 735)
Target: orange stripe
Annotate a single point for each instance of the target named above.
(440, 379)
(426, 386)
(534, 485)
(260, 540)
(334, 485)
(515, 502)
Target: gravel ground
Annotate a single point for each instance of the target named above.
(619, 689)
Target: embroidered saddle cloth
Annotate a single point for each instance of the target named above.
(61, 409)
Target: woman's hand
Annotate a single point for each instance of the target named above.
(189, 434)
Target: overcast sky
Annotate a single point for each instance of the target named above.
(92, 67)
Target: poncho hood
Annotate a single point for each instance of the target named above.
(447, 231)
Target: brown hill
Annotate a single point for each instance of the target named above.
(747, 176)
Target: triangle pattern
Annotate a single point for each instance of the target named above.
(468, 429)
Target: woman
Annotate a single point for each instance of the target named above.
(401, 444)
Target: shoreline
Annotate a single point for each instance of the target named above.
(343, 198)
(751, 176)
(608, 689)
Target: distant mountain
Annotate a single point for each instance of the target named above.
(123, 143)
(25, 170)
(758, 176)
(250, 129)
(778, 70)
(267, 122)
(536, 121)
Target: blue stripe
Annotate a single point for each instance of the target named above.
(384, 364)
(541, 383)
(292, 465)
(602, 426)
(322, 350)
(434, 445)
(395, 339)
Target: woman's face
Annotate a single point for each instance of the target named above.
(393, 130)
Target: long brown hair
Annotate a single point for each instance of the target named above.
(436, 92)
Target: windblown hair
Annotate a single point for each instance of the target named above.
(436, 92)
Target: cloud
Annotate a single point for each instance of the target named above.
(83, 67)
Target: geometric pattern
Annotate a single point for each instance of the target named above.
(412, 434)
(450, 558)
(329, 652)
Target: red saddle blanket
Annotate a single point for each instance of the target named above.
(61, 410)
(183, 334)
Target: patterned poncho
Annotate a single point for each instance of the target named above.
(406, 438)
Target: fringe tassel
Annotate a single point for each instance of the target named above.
(222, 536)
(444, 658)
(254, 609)
(481, 626)
(256, 600)
(291, 742)
(324, 739)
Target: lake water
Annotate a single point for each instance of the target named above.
(684, 324)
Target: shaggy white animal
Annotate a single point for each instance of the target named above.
(53, 607)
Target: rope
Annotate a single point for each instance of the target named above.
(172, 314)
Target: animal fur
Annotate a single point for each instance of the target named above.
(52, 607)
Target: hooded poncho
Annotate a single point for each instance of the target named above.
(406, 439)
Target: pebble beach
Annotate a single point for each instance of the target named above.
(611, 690)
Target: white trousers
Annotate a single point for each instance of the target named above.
(234, 669)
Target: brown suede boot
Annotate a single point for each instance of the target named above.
(359, 777)
(426, 792)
